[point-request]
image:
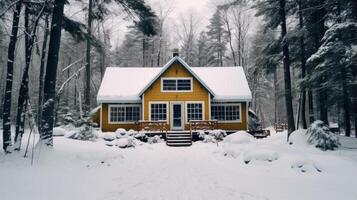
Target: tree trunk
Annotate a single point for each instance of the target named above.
(303, 68)
(9, 78)
(355, 107)
(275, 96)
(287, 79)
(88, 57)
(51, 73)
(23, 94)
(42, 71)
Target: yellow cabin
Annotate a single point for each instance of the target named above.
(175, 94)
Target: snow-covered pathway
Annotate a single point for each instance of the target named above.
(92, 171)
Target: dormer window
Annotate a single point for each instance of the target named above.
(176, 84)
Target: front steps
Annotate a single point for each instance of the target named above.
(179, 139)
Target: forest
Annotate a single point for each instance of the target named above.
(299, 56)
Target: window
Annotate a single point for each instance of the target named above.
(194, 111)
(225, 111)
(179, 84)
(124, 113)
(158, 112)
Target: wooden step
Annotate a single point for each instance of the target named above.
(179, 139)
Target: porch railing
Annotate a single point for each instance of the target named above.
(160, 126)
(203, 125)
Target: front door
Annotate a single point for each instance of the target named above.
(177, 116)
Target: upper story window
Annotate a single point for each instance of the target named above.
(176, 84)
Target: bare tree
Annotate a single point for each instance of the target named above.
(9, 78)
(187, 35)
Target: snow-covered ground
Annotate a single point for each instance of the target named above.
(93, 171)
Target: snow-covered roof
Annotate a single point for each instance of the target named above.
(126, 84)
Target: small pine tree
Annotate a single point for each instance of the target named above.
(320, 135)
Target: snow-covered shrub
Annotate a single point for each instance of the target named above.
(155, 139)
(126, 142)
(260, 155)
(321, 137)
(209, 139)
(240, 137)
(201, 135)
(231, 151)
(108, 136)
(120, 132)
(218, 134)
(141, 135)
(306, 165)
(85, 130)
(59, 131)
(131, 132)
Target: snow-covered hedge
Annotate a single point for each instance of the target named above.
(321, 137)
(126, 142)
(212, 136)
(154, 140)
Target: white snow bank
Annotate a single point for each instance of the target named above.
(240, 137)
(299, 138)
(59, 131)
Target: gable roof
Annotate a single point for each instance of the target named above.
(127, 84)
(167, 66)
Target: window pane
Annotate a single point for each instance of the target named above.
(183, 84)
(158, 112)
(194, 111)
(169, 84)
(124, 113)
(225, 112)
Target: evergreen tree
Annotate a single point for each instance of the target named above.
(203, 51)
(218, 39)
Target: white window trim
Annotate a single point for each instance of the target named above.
(123, 105)
(176, 78)
(167, 110)
(230, 104)
(186, 112)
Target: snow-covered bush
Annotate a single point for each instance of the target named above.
(218, 134)
(131, 132)
(59, 131)
(155, 139)
(260, 155)
(120, 132)
(141, 136)
(126, 142)
(321, 137)
(212, 136)
(306, 165)
(231, 151)
(209, 139)
(108, 136)
(240, 137)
